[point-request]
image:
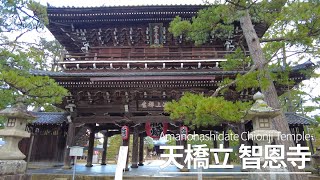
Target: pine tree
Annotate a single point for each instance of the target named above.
(292, 25)
(17, 57)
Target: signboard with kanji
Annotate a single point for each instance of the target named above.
(76, 151)
(152, 105)
(156, 34)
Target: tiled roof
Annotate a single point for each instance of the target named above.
(49, 117)
(294, 119)
(49, 6)
(60, 117)
(304, 65)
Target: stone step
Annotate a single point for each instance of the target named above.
(90, 177)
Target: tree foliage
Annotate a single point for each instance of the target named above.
(199, 110)
(148, 141)
(293, 35)
(18, 57)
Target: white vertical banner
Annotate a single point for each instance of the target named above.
(121, 164)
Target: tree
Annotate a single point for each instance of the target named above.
(113, 148)
(292, 25)
(149, 143)
(17, 57)
(197, 110)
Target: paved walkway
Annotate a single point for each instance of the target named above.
(150, 169)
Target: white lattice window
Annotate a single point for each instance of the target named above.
(11, 122)
(264, 123)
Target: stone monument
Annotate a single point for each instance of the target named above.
(11, 158)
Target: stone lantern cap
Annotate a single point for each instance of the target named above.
(18, 110)
(261, 109)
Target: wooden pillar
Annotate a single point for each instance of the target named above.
(215, 142)
(242, 129)
(135, 146)
(184, 143)
(311, 145)
(243, 139)
(178, 151)
(127, 143)
(90, 147)
(61, 141)
(70, 138)
(105, 148)
(225, 142)
(294, 131)
(301, 130)
(141, 150)
(30, 149)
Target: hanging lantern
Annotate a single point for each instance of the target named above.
(125, 132)
(154, 130)
(184, 132)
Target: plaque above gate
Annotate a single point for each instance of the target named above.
(151, 105)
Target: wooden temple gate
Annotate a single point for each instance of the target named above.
(123, 64)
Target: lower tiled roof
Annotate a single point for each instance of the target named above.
(294, 119)
(50, 117)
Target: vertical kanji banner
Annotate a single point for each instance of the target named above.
(184, 132)
(125, 132)
(154, 130)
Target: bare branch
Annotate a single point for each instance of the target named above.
(278, 39)
(16, 39)
(30, 16)
(236, 4)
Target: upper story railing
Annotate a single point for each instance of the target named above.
(127, 56)
(144, 59)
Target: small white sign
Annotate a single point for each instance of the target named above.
(76, 151)
(122, 161)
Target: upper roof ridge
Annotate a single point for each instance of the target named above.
(136, 5)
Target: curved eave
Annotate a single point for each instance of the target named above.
(90, 75)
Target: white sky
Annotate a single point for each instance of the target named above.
(315, 85)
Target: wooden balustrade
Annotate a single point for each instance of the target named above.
(185, 55)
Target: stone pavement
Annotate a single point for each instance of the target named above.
(150, 169)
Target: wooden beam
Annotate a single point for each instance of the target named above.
(117, 119)
(158, 78)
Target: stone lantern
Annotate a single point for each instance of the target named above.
(261, 115)
(11, 158)
(263, 134)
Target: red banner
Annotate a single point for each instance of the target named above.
(125, 132)
(155, 130)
